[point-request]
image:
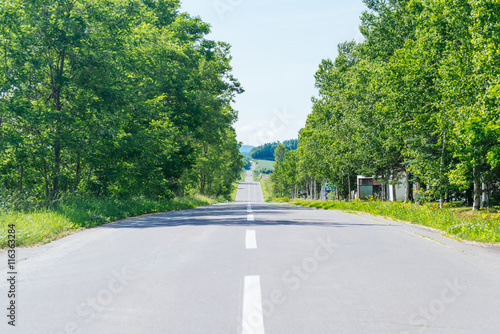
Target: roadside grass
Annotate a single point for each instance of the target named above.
(45, 225)
(265, 184)
(234, 190)
(459, 222)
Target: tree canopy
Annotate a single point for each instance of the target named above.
(114, 98)
(266, 151)
(419, 97)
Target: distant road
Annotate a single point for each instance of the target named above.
(249, 190)
(252, 267)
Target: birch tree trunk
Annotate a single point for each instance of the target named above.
(417, 190)
(477, 196)
(314, 188)
(484, 199)
(407, 185)
(349, 185)
(393, 188)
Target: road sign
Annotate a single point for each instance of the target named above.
(329, 187)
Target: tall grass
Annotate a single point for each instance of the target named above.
(234, 191)
(44, 225)
(265, 184)
(475, 227)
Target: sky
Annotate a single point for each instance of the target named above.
(277, 46)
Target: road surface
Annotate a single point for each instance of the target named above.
(252, 267)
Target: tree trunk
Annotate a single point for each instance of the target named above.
(417, 190)
(441, 173)
(314, 188)
(202, 185)
(383, 193)
(469, 198)
(349, 186)
(393, 188)
(57, 168)
(46, 179)
(78, 172)
(411, 197)
(477, 196)
(484, 199)
(409, 190)
(57, 84)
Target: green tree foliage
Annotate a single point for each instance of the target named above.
(266, 151)
(114, 98)
(419, 97)
(285, 171)
(247, 163)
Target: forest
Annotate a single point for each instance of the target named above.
(113, 99)
(419, 98)
(266, 151)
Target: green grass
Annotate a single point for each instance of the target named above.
(235, 190)
(42, 226)
(482, 226)
(264, 164)
(265, 184)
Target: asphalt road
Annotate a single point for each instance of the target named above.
(252, 267)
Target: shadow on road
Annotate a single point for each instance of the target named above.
(235, 214)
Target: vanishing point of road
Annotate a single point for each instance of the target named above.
(250, 267)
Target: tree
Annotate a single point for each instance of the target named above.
(419, 97)
(111, 98)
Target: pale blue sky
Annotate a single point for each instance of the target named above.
(277, 46)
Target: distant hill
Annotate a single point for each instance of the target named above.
(266, 151)
(245, 149)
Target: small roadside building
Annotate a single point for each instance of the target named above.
(369, 187)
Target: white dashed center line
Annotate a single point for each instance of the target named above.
(253, 321)
(250, 217)
(251, 240)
